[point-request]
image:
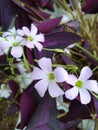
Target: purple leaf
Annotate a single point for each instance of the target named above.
(28, 106)
(30, 55)
(45, 117)
(67, 59)
(44, 2)
(91, 6)
(74, 25)
(7, 12)
(57, 40)
(60, 39)
(52, 23)
(32, 10)
(76, 111)
(13, 86)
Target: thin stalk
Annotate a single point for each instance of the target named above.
(26, 62)
(89, 53)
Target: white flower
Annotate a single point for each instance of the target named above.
(30, 37)
(10, 33)
(4, 91)
(48, 78)
(82, 86)
(14, 43)
(3, 45)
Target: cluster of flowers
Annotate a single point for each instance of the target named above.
(14, 40)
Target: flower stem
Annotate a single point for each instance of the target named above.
(83, 49)
(26, 62)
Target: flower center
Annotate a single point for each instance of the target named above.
(79, 84)
(15, 44)
(30, 38)
(51, 76)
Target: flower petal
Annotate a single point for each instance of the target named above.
(60, 74)
(45, 64)
(16, 52)
(33, 29)
(26, 31)
(91, 85)
(86, 73)
(71, 79)
(39, 46)
(71, 93)
(84, 96)
(29, 44)
(37, 74)
(42, 86)
(20, 32)
(5, 44)
(55, 90)
(40, 38)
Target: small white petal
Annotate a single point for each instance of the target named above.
(16, 52)
(40, 38)
(86, 73)
(39, 46)
(33, 29)
(91, 85)
(42, 86)
(38, 74)
(85, 97)
(18, 39)
(29, 44)
(55, 90)
(20, 32)
(5, 34)
(60, 74)
(12, 30)
(6, 44)
(71, 93)
(71, 79)
(26, 31)
(45, 64)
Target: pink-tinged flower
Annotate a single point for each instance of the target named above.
(48, 78)
(14, 44)
(5, 91)
(30, 37)
(82, 86)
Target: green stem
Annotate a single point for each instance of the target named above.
(55, 50)
(89, 53)
(26, 62)
(95, 68)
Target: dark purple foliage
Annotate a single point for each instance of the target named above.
(32, 10)
(74, 25)
(7, 13)
(48, 25)
(76, 111)
(28, 106)
(29, 55)
(45, 117)
(91, 6)
(57, 40)
(60, 39)
(67, 59)
(13, 86)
